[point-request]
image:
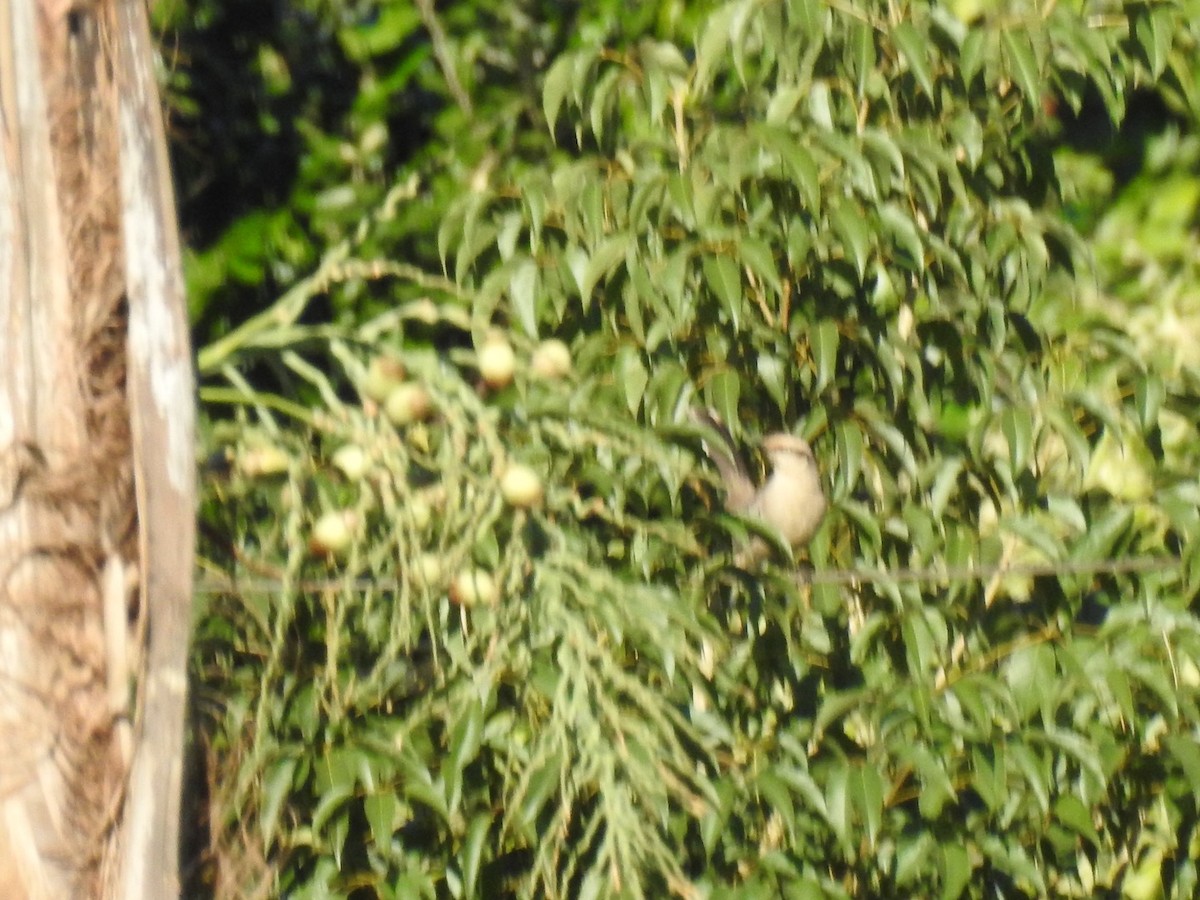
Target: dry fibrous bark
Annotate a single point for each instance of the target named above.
(72, 618)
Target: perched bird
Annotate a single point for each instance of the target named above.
(791, 500)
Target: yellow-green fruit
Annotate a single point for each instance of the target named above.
(256, 462)
(419, 512)
(474, 586)
(351, 460)
(427, 569)
(333, 532)
(407, 403)
(551, 360)
(521, 486)
(497, 361)
(383, 374)
(423, 310)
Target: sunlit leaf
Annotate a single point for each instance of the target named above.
(1024, 63)
(523, 290)
(915, 50)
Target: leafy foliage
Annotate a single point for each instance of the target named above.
(849, 216)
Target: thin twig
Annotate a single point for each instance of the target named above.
(441, 49)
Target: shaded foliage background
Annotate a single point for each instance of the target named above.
(885, 225)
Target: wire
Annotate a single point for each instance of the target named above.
(986, 573)
(231, 584)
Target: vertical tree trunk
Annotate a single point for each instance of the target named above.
(161, 396)
(96, 469)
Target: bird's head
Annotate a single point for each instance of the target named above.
(784, 448)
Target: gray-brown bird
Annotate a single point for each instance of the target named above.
(791, 500)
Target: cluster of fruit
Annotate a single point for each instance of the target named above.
(390, 391)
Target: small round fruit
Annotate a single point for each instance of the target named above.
(351, 460)
(408, 403)
(257, 462)
(551, 360)
(383, 374)
(520, 486)
(497, 361)
(427, 569)
(420, 512)
(472, 587)
(333, 532)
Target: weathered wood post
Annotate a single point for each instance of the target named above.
(97, 489)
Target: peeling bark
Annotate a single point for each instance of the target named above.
(96, 490)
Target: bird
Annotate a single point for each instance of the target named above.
(791, 501)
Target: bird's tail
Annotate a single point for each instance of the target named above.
(719, 446)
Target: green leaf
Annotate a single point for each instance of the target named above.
(971, 57)
(1076, 746)
(1153, 27)
(1017, 426)
(773, 374)
(1100, 540)
(824, 340)
(634, 377)
(710, 50)
(601, 263)
(522, 289)
(903, 231)
(1036, 776)
(848, 441)
(1187, 753)
(465, 739)
(866, 524)
(916, 50)
(912, 858)
(944, 484)
(776, 792)
(600, 100)
(418, 785)
(540, 785)
(464, 745)
(819, 109)
(851, 227)
(670, 387)
(1117, 683)
(380, 810)
(861, 45)
(637, 293)
(759, 258)
(956, 870)
(333, 802)
(1071, 812)
(557, 82)
(1149, 393)
(837, 802)
(922, 651)
(1024, 64)
(724, 390)
(723, 278)
(782, 105)
(277, 788)
(1035, 531)
(936, 786)
(473, 848)
(868, 792)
